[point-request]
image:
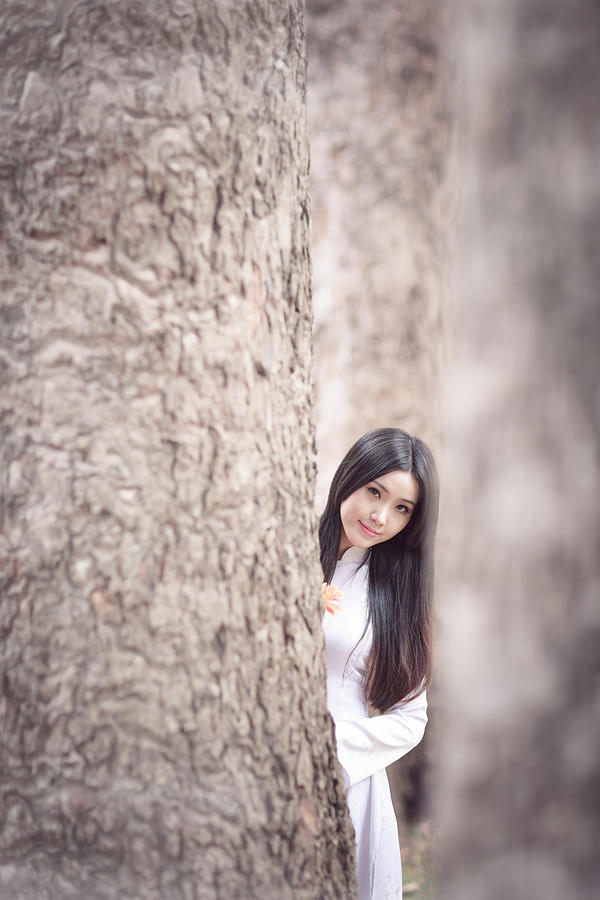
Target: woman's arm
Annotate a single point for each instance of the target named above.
(364, 746)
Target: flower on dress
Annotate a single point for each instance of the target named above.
(332, 597)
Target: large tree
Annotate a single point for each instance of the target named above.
(377, 117)
(164, 729)
(519, 776)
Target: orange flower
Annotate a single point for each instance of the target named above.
(332, 597)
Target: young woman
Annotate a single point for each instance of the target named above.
(376, 536)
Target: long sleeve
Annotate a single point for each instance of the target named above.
(367, 745)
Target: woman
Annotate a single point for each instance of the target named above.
(376, 537)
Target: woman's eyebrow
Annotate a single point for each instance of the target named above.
(383, 488)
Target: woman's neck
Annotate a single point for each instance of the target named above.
(344, 545)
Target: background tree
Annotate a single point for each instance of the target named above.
(164, 729)
(519, 784)
(377, 123)
(378, 129)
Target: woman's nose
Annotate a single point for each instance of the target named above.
(378, 516)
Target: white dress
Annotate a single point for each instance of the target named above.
(365, 746)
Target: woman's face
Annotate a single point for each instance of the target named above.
(379, 510)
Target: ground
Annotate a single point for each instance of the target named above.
(417, 861)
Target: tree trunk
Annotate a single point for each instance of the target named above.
(519, 793)
(378, 127)
(377, 117)
(164, 726)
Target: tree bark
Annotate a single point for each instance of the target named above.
(378, 126)
(164, 726)
(519, 785)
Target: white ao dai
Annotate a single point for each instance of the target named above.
(366, 745)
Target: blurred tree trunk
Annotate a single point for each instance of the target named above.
(378, 141)
(164, 727)
(519, 780)
(377, 117)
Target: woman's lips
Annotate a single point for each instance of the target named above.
(368, 531)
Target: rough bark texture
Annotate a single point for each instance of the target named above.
(519, 792)
(164, 731)
(377, 127)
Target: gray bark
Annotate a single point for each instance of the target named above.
(377, 122)
(519, 784)
(164, 728)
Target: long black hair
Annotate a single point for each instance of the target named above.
(400, 583)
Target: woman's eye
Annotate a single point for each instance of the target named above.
(373, 491)
(403, 509)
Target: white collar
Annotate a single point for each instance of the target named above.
(354, 555)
